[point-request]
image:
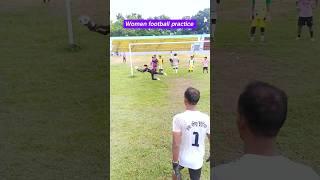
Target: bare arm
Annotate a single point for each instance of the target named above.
(209, 158)
(176, 140)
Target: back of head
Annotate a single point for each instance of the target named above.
(264, 107)
(192, 95)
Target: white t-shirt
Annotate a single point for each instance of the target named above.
(255, 167)
(175, 61)
(305, 8)
(194, 127)
(191, 62)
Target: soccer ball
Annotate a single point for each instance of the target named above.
(136, 67)
(84, 20)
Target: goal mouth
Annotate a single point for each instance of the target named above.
(167, 48)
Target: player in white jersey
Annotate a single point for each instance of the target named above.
(262, 111)
(189, 132)
(175, 62)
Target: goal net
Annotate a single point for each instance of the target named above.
(141, 53)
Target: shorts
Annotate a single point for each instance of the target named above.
(194, 173)
(302, 21)
(258, 22)
(213, 21)
(205, 68)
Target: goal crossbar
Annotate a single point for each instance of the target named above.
(154, 43)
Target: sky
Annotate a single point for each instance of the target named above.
(175, 9)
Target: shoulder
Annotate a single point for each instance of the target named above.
(204, 115)
(244, 165)
(303, 171)
(178, 116)
(226, 171)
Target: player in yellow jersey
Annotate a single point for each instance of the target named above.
(191, 64)
(160, 63)
(260, 12)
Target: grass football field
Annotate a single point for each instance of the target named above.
(141, 117)
(52, 100)
(281, 60)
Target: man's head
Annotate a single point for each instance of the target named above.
(191, 97)
(262, 110)
(205, 58)
(175, 54)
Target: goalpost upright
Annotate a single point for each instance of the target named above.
(155, 43)
(69, 23)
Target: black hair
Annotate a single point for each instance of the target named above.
(192, 95)
(264, 107)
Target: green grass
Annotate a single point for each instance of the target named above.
(290, 64)
(52, 101)
(141, 120)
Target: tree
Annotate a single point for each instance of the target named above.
(203, 27)
(118, 30)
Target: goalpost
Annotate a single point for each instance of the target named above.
(159, 43)
(69, 24)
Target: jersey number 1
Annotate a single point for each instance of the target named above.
(196, 139)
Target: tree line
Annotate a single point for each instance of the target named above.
(202, 26)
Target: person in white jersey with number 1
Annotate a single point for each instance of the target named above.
(190, 130)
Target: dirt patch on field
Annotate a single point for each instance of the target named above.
(115, 60)
(177, 87)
